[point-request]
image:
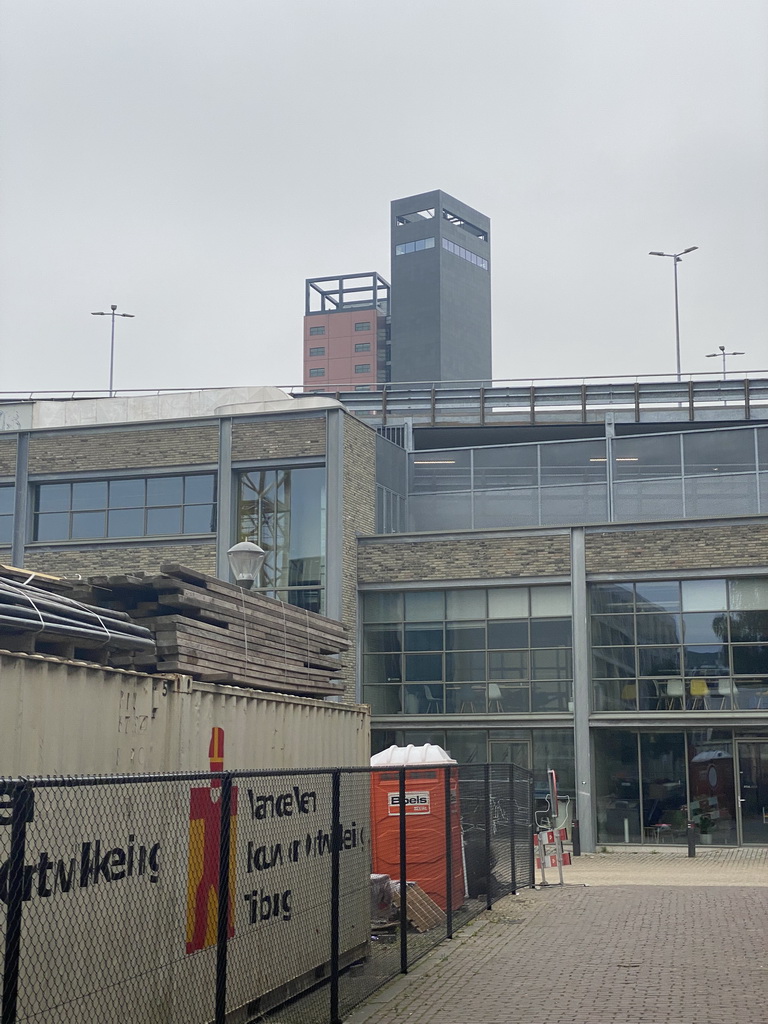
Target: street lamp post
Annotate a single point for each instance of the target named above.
(113, 314)
(722, 353)
(676, 258)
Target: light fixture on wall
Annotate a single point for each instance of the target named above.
(245, 561)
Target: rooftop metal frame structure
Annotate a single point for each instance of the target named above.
(347, 292)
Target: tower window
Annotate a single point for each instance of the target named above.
(365, 325)
(317, 371)
(363, 368)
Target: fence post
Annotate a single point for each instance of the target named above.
(487, 802)
(403, 878)
(690, 832)
(222, 930)
(532, 831)
(21, 807)
(448, 851)
(335, 890)
(512, 851)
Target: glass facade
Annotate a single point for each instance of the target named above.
(7, 495)
(156, 506)
(691, 645)
(283, 510)
(649, 785)
(465, 254)
(505, 650)
(539, 749)
(622, 479)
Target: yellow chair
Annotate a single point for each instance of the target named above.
(699, 694)
(629, 692)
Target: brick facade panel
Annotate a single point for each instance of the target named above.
(120, 558)
(110, 450)
(470, 558)
(279, 438)
(704, 547)
(7, 456)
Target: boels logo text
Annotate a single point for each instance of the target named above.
(415, 803)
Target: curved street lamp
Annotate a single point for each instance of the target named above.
(676, 258)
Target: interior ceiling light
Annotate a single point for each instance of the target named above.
(434, 462)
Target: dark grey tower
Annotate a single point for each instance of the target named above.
(441, 290)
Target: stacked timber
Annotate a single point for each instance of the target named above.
(217, 632)
(44, 619)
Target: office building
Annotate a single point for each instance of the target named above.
(570, 577)
(440, 331)
(441, 290)
(346, 332)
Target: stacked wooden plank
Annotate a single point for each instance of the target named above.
(44, 619)
(217, 632)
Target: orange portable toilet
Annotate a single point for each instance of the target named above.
(425, 819)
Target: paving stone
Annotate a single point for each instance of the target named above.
(657, 938)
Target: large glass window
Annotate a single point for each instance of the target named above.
(283, 510)
(158, 506)
(536, 749)
(6, 514)
(475, 651)
(691, 645)
(650, 477)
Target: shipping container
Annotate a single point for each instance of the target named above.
(60, 717)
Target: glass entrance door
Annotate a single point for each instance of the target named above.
(753, 786)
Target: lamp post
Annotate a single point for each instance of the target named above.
(722, 353)
(245, 561)
(676, 258)
(113, 314)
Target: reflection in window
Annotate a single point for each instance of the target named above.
(465, 254)
(417, 246)
(465, 661)
(159, 506)
(7, 497)
(708, 652)
(283, 510)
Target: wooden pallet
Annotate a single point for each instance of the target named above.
(217, 632)
(421, 910)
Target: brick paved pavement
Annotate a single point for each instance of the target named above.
(638, 938)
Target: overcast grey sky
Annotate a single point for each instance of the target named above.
(195, 160)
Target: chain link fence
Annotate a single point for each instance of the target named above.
(244, 896)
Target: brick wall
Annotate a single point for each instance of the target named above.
(7, 456)
(120, 558)
(279, 438)
(117, 450)
(359, 512)
(382, 561)
(696, 547)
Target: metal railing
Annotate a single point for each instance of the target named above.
(220, 897)
(638, 398)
